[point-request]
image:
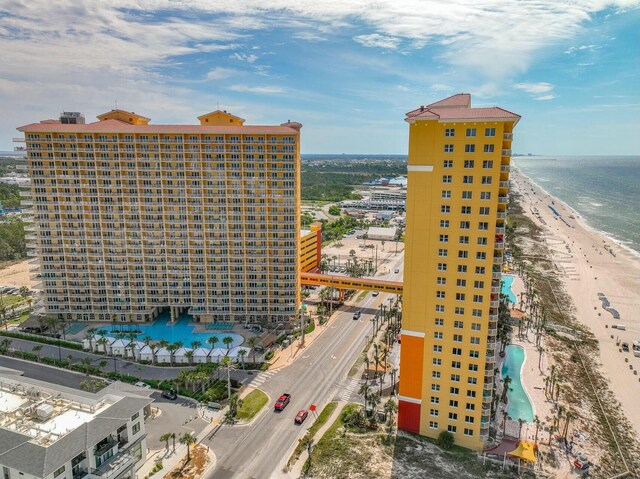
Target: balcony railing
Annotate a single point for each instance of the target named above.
(503, 200)
(506, 152)
(507, 136)
(505, 168)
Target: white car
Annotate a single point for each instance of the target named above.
(375, 293)
(140, 384)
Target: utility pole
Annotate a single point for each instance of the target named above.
(301, 328)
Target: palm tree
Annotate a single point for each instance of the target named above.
(195, 345)
(90, 336)
(374, 400)
(132, 345)
(226, 363)
(86, 361)
(212, 340)
(390, 407)
(102, 364)
(228, 341)
(102, 341)
(188, 440)
(189, 355)
(173, 438)
(520, 423)
(234, 404)
(166, 437)
(241, 355)
(4, 345)
(537, 421)
(172, 348)
(253, 342)
(36, 349)
(505, 388)
(568, 417)
(365, 390)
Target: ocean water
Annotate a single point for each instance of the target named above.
(603, 190)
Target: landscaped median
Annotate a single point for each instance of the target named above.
(302, 444)
(252, 403)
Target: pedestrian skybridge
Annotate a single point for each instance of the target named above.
(345, 282)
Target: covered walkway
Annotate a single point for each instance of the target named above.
(345, 282)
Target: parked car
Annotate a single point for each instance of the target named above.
(170, 394)
(625, 347)
(301, 416)
(375, 293)
(396, 270)
(140, 384)
(282, 402)
(357, 315)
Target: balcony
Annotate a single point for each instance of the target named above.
(505, 168)
(498, 259)
(504, 184)
(507, 136)
(506, 152)
(503, 200)
(502, 215)
(114, 466)
(500, 230)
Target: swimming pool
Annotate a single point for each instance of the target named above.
(519, 405)
(182, 330)
(507, 281)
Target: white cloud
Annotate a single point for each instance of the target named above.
(309, 36)
(377, 40)
(571, 50)
(245, 58)
(542, 87)
(256, 89)
(220, 73)
(441, 87)
(545, 97)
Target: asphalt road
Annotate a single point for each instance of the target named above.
(41, 372)
(257, 450)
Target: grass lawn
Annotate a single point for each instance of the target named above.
(12, 299)
(361, 296)
(322, 419)
(251, 405)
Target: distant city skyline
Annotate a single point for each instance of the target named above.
(348, 71)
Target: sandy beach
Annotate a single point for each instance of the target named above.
(590, 263)
(17, 275)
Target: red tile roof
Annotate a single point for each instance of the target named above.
(460, 100)
(116, 126)
(458, 107)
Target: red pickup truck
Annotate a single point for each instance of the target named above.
(282, 402)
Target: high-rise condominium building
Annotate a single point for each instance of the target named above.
(130, 218)
(456, 209)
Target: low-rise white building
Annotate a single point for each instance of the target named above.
(49, 431)
(384, 234)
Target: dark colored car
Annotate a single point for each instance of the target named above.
(357, 315)
(301, 416)
(170, 394)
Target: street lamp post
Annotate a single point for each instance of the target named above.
(115, 365)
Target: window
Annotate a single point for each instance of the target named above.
(476, 313)
(448, 148)
(468, 432)
(468, 163)
(450, 132)
(59, 471)
(435, 387)
(459, 310)
(451, 428)
(454, 390)
(467, 195)
(463, 254)
(474, 354)
(453, 416)
(471, 132)
(465, 225)
(485, 195)
(472, 380)
(489, 132)
(477, 298)
(457, 338)
(465, 210)
(469, 148)
(461, 282)
(438, 362)
(439, 322)
(446, 194)
(484, 210)
(443, 253)
(473, 367)
(453, 403)
(444, 223)
(475, 340)
(455, 364)
(440, 294)
(446, 179)
(433, 412)
(470, 393)
(486, 180)
(475, 327)
(488, 148)
(135, 428)
(445, 208)
(456, 351)
(464, 240)
(442, 266)
(435, 374)
(441, 280)
(438, 335)
(437, 348)
(435, 400)
(458, 324)
(447, 164)
(439, 308)
(483, 226)
(460, 296)
(480, 269)
(444, 238)
(471, 406)
(481, 255)
(467, 179)
(487, 163)
(433, 425)
(482, 241)
(135, 416)
(462, 268)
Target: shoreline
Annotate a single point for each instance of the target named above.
(579, 216)
(586, 268)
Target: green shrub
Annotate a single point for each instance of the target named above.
(43, 340)
(269, 355)
(445, 440)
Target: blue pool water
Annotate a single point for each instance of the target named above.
(182, 330)
(507, 281)
(519, 406)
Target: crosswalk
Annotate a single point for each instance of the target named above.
(349, 388)
(261, 378)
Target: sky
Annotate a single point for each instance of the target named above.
(348, 70)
